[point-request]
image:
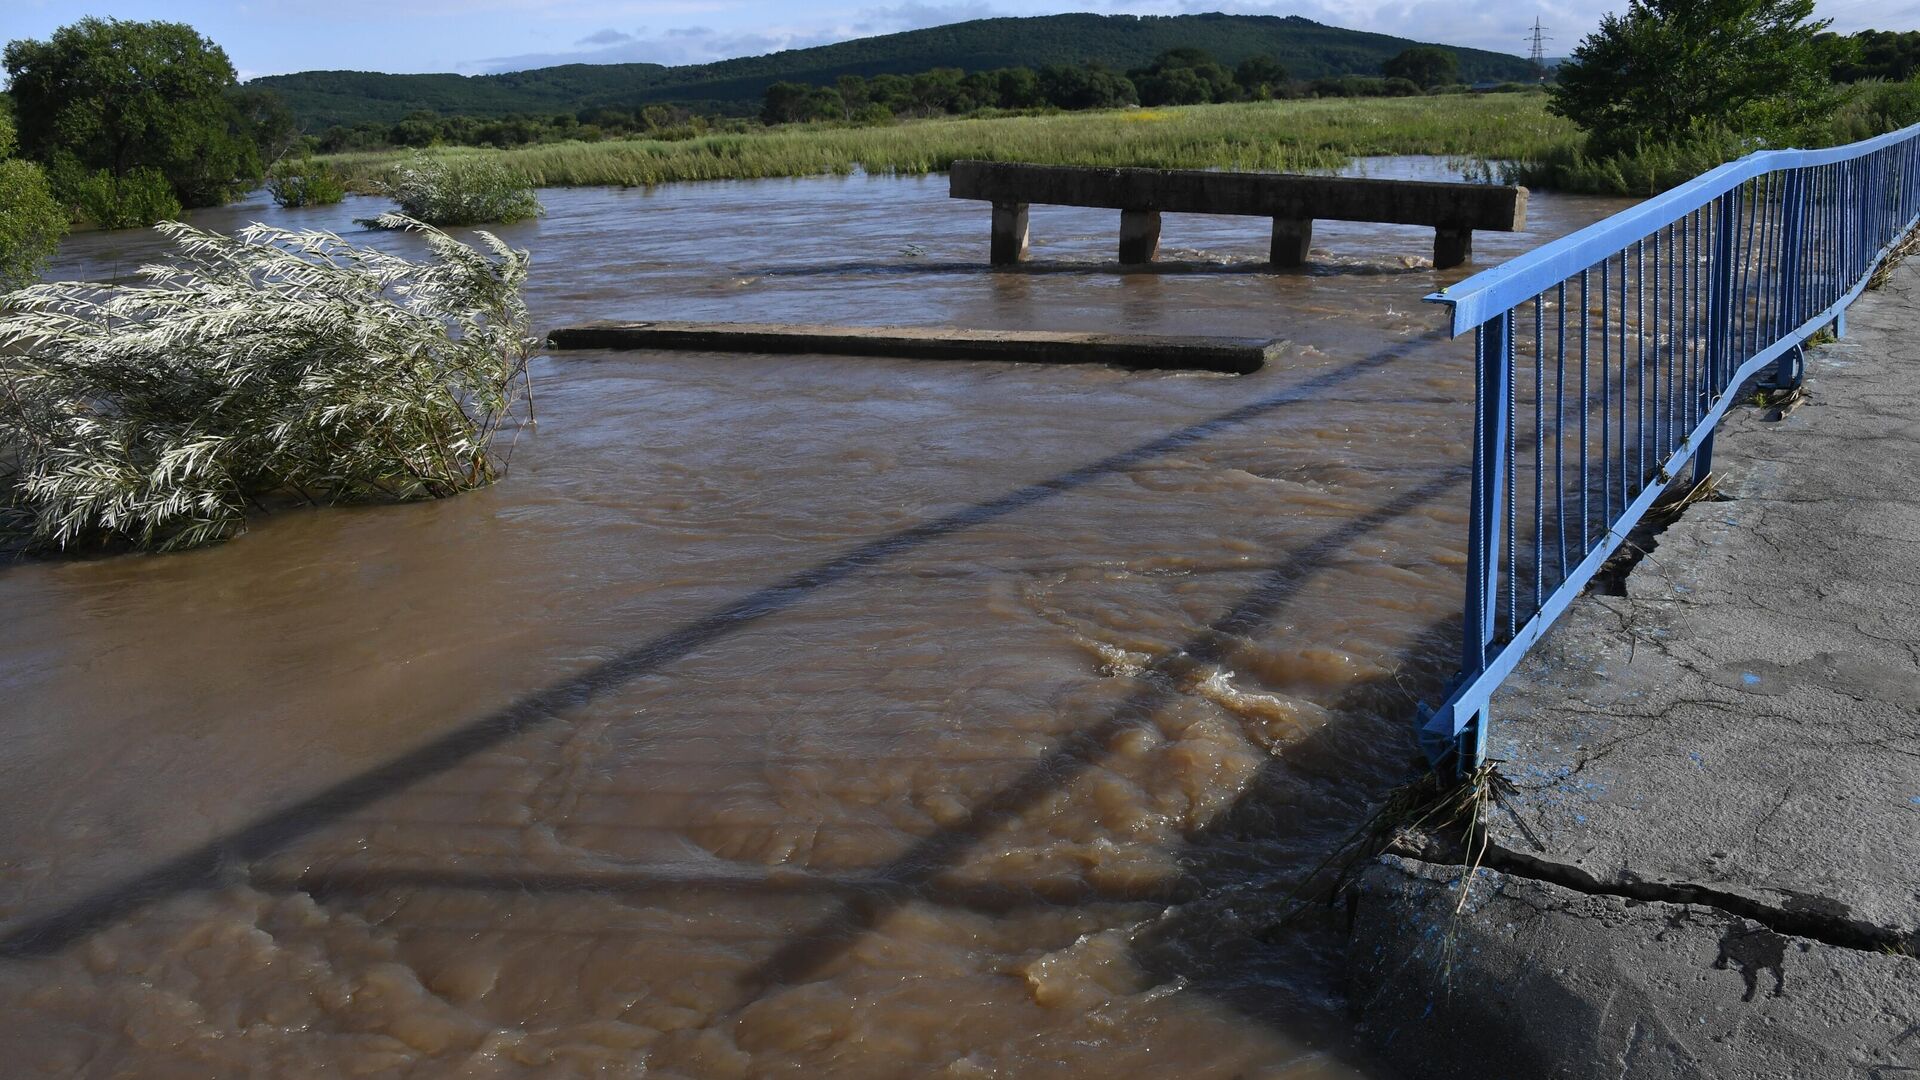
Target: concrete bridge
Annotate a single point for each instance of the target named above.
(1294, 203)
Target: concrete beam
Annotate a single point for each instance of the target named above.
(1233, 356)
(1009, 234)
(1301, 198)
(1139, 235)
(1292, 241)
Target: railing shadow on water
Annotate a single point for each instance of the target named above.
(1624, 344)
(218, 860)
(1322, 769)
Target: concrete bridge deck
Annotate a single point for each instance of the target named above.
(1452, 210)
(1711, 866)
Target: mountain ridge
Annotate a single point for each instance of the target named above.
(1308, 49)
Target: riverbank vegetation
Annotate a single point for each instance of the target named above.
(265, 369)
(31, 222)
(305, 182)
(468, 191)
(135, 120)
(1668, 89)
(1284, 135)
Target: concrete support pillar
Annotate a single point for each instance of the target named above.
(1009, 234)
(1292, 238)
(1451, 247)
(1139, 235)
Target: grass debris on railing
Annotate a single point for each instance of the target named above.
(268, 368)
(470, 191)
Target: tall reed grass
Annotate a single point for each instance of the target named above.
(1277, 135)
(265, 367)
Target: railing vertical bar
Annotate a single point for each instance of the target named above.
(1539, 451)
(1606, 391)
(1640, 362)
(1560, 429)
(1620, 390)
(1507, 379)
(1673, 313)
(1586, 407)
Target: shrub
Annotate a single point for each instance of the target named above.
(259, 369)
(141, 197)
(472, 192)
(1874, 108)
(31, 223)
(307, 183)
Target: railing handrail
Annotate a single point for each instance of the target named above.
(1490, 292)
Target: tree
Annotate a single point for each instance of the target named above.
(1088, 86)
(31, 223)
(1016, 88)
(785, 102)
(112, 96)
(1669, 70)
(1425, 66)
(1260, 76)
(1184, 76)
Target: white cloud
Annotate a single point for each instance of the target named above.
(914, 15)
(608, 36)
(680, 45)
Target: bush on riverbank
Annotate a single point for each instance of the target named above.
(31, 223)
(305, 183)
(131, 200)
(469, 191)
(1868, 109)
(264, 368)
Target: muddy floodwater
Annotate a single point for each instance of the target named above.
(776, 716)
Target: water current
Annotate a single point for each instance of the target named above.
(775, 716)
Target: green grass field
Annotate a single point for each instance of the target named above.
(1277, 135)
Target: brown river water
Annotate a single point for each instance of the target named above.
(775, 716)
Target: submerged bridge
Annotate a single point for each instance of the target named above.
(1294, 203)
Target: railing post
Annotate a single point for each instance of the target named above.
(1719, 328)
(1486, 526)
(1792, 366)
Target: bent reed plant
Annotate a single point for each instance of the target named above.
(272, 367)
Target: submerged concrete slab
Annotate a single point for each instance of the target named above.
(1233, 356)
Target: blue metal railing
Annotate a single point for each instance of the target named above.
(1624, 344)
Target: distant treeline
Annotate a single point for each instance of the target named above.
(1878, 54)
(1183, 76)
(1177, 77)
(423, 129)
(323, 99)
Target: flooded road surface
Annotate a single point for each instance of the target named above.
(775, 716)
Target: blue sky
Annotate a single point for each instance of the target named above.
(266, 37)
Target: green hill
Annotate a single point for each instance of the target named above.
(1308, 49)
